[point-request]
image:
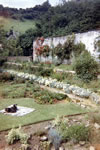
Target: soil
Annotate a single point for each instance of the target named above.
(34, 141)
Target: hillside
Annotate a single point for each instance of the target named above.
(73, 16)
(18, 25)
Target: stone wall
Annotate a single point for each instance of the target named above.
(19, 58)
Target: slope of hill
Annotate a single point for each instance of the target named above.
(20, 26)
(74, 16)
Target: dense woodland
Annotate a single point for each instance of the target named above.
(66, 18)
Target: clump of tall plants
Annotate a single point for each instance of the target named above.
(86, 67)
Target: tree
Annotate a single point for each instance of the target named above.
(25, 40)
(3, 42)
(65, 51)
(86, 67)
(8, 47)
(13, 48)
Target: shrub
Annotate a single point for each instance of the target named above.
(46, 145)
(95, 117)
(57, 121)
(74, 132)
(2, 60)
(62, 128)
(18, 80)
(58, 96)
(86, 67)
(6, 77)
(55, 138)
(61, 76)
(15, 135)
(78, 133)
(44, 97)
(42, 71)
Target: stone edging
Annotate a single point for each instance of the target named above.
(67, 88)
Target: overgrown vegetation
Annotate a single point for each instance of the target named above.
(15, 135)
(95, 117)
(18, 89)
(69, 49)
(86, 67)
(6, 77)
(76, 132)
(8, 47)
(69, 78)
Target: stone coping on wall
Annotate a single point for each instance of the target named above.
(67, 88)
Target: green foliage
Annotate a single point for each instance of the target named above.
(58, 121)
(2, 60)
(29, 68)
(78, 49)
(86, 67)
(25, 40)
(97, 45)
(13, 48)
(64, 51)
(69, 49)
(8, 47)
(44, 97)
(18, 90)
(45, 145)
(78, 133)
(15, 135)
(6, 77)
(3, 44)
(41, 71)
(73, 16)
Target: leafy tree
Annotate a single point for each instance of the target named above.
(64, 51)
(8, 47)
(86, 67)
(3, 42)
(13, 49)
(25, 40)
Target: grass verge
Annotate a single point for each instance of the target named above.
(42, 113)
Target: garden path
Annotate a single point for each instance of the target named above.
(75, 99)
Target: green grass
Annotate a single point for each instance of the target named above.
(65, 67)
(43, 112)
(20, 26)
(22, 90)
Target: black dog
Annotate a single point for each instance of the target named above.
(12, 109)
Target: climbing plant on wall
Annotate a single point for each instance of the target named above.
(41, 50)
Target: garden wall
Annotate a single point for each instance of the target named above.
(19, 58)
(87, 38)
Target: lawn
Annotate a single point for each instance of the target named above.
(65, 67)
(41, 113)
(20, 26)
